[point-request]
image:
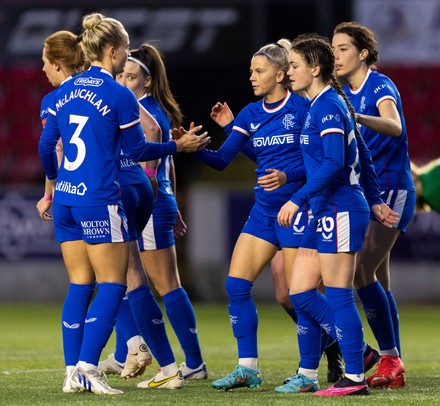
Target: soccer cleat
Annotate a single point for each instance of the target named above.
(136, 364)
(334, 361)
(371, 358)
(241, 377)
(388, 369)
(201, 372)
(345, 387)
(110, 366)
(399, 382)
(67, 385)
(299, 383)
(162, 381)
(92, 381)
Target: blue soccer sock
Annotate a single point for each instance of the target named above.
(348, 327)
(121, 349)
(100, 320)
(395, 318)
(316, 305)
(126, 328)
(183, 320)
(377, 312)
(73, 315)
(243, 316)
(149, 319)
(308, 332)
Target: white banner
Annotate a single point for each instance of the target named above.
(408, 31)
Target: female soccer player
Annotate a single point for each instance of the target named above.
(273, 124)
(223, 116)
(379, 115)
(145, 75)
(93, 115)
(329, 146)
(63, 58)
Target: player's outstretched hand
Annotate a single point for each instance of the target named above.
(221, 114)
(189, 141)
(273, 180)
(178, 133)
(385, 215)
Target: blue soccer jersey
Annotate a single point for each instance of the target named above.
(389, 154)
(331, 158)
(95, 117)
(274, 130)
(163, 170)
(45, 104)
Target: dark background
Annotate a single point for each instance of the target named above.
(207, 47)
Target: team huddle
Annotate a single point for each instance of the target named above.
(333, 191)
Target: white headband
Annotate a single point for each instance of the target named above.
(130, 58)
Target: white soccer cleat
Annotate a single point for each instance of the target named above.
(201, 372)
(162, 381)
(135, 364)
(110, 366)
(92, 381)
(67, 385)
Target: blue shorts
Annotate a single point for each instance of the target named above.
(267, 228)
(94, 225)
(341, 232)
(138, 204)
(159, 232)
(309, 237)
(402, 202)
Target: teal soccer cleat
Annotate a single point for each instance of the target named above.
(299, 383)
(242, 377)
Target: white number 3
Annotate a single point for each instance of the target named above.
(81, 121)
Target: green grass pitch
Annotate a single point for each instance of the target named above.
(31, 362)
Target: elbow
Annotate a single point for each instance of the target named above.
(397, 132)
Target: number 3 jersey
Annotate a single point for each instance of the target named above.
(89, 112)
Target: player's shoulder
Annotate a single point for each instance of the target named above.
(300, 101)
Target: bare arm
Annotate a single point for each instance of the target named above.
(387, 124)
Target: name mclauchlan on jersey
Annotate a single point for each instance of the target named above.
(85, 95)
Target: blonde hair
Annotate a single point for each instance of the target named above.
(277, 54)
(98, 32)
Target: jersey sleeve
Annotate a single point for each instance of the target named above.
(221, 158)
(383, 91)
(331, 129)
(133, 138)
(247, 149)
(47, 145)
(333, 149)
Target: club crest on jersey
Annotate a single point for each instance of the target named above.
(363, 105)
(254, 127)
(288, 121)
(96, 82)
(307, 123)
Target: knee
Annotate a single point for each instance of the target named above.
(238, 289)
